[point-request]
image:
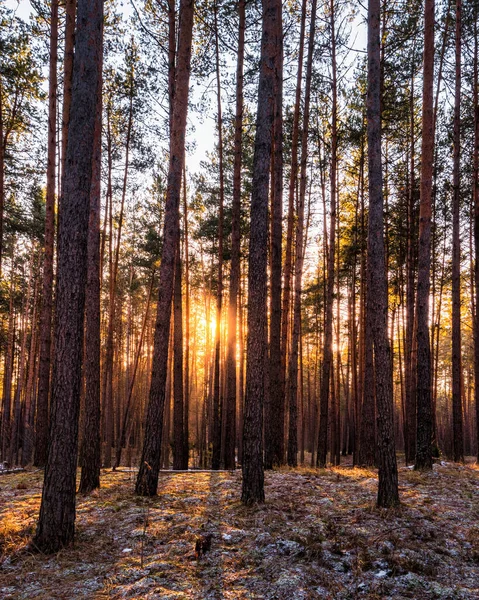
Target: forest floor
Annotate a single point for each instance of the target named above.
(318, 535)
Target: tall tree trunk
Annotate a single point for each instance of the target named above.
(186, 434)
(328, 326)
(20, 378)
(299, 256)
(235, 275)
(178, 392)
(423, 379)
(8, 367)
(274, 426)
(475, 198)
(27, 437)
(288, 258)
(252, 465)
(91, 443)
(217, 400)
(2, 175)
(57, 511)
(456, 255)
(377, 293)
(147, 481)
(409, 366)
(70, 13)
(41, 438)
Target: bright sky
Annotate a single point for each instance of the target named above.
(202, 135)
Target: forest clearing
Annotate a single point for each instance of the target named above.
(318, 536)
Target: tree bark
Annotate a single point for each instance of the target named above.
(178, 392)
(274, 427)
(328, 326)
(41, 437)
(409, 366)
(475, 197)
(147, 481)
(217, 399)
(423, 379)
(299, 255)
(91, 443)
(252, 465)
(186, 435)
(458, 441)
(288, 258)
(231, 363)
(57, 511)
(377, 293)
(70, 13)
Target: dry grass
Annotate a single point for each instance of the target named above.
(318, 535)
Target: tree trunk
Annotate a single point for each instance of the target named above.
(217, 400)
(178, 392)
(458, 440)
(409, 366)
(274, 426)
(57, 512)
(186, 434)
(252, 466)
(377, 293)
(2, 175)
(299, 256)
(423, 379)
(328, 326)
(41, 438)
(475, 198)
(91, 443)
(231, 391)
(70, 13)
(288, 259)
(147, 481)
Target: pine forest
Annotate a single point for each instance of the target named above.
(239, 299)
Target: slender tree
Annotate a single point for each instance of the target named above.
(91, 444)
(288, 255)
(423, 382)
(328, 325)
(56, 524)
(217, 396)
(475, 194)
(299, 254)
(178, 391)
(41, 439)
(458, 434)
(231, 388)
(377, 292)
(147, 480)
(275, 406)
(252, 465)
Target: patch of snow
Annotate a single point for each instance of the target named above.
(381, 574)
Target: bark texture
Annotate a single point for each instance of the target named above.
(147, 480)
(252, 465)
(41, 438)
(56, 524)
(457, 418)
(91, 446)
(231, 388)
(377, 293)
(424, 422)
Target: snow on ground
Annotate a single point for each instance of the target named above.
(318, 535)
